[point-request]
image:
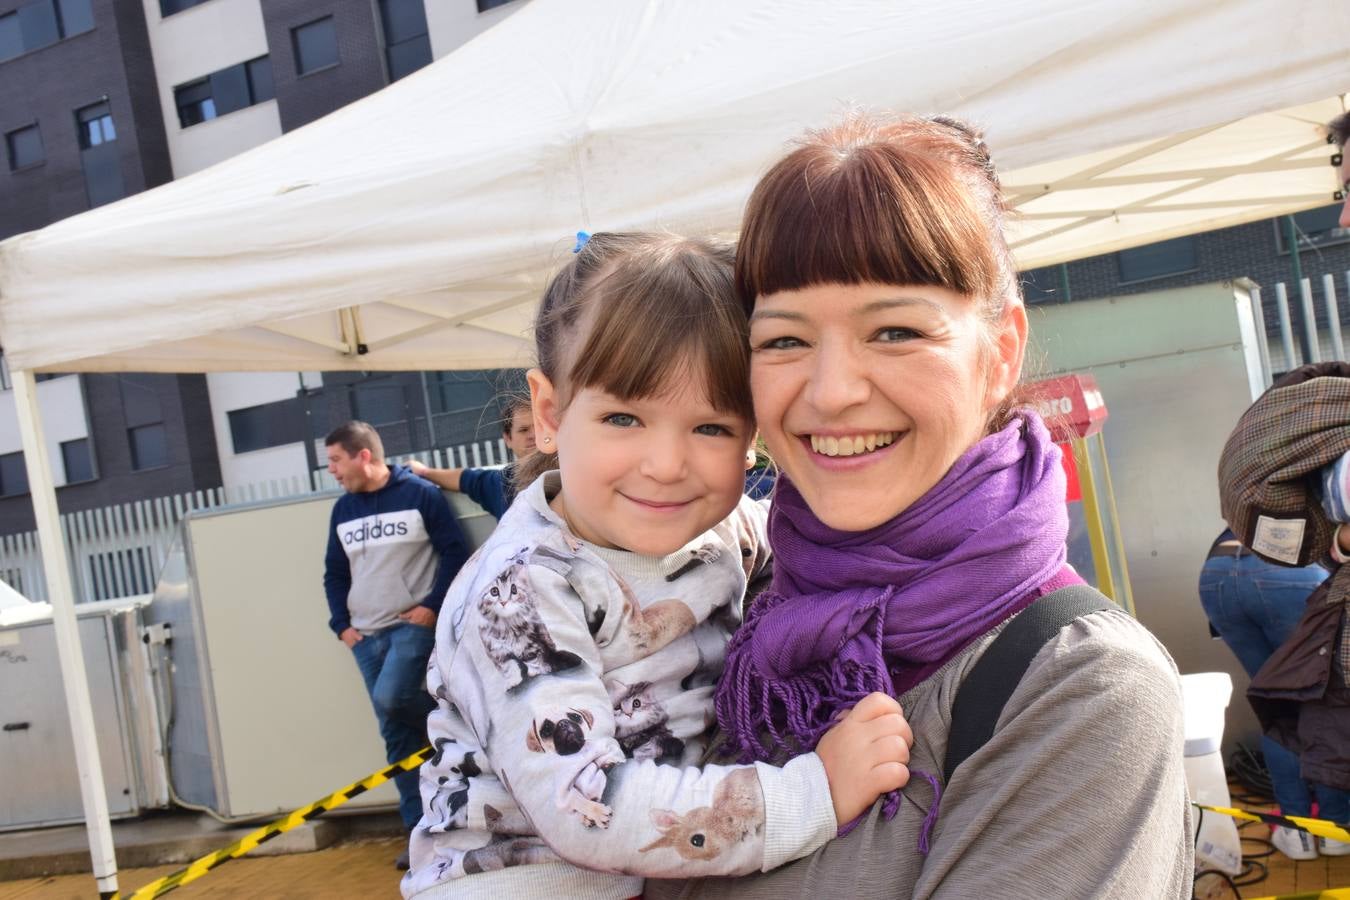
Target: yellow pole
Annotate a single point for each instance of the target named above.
(1126, 598)
(1092, 515)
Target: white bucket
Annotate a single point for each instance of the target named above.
(1205, 697)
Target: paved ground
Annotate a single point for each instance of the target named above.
(363, 869)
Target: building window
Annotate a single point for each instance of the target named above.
(76, 458)
(169, 7)
(315, 46)
(149, 446)
(1159, 260)
(25, 147)
(98, 155)
(407, 46)
(485, 5)
(267, 425)
(145, 420)
(13, 475)
(226, 91)
(36, 25)
(96, 126)
(1313, 228)
(75, 17)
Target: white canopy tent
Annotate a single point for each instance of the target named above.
(420, 222)
(415, 228)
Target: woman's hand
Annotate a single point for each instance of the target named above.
(866, 755)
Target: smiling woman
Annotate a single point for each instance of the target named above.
(918, 511)
(867, 393)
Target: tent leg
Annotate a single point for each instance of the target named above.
(56, 567)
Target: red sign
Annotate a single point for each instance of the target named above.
(1073, 490)
(1071, 406)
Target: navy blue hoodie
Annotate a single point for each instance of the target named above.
(388, 551)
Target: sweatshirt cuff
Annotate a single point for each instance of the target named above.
(798, 809)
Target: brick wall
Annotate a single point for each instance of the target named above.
(1244, 250)
(360, 70)
(47, 85)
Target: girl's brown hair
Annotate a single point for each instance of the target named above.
(871, 200)
(632, 313)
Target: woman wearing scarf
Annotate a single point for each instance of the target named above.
(918, 510)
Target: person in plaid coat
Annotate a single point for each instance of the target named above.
(1270, 480)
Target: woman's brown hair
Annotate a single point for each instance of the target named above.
(632, 313)
(873, 200)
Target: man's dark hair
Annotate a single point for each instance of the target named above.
(355, 436)
(509, 409)
(1338, 129)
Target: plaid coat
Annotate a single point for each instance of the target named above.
(1267, 478)
(1270, 464)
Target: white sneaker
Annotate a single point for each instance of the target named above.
(1295, 844)
(1328, 847)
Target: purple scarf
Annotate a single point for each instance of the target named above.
(849, 613)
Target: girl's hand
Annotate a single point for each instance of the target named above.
(866, 755)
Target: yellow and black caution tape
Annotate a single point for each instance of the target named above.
(197, 868)
(1324, 828)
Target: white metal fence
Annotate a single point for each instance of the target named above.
(117, 551)
(1288, 346)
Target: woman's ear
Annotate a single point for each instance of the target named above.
(1010, 347)
(547, 415)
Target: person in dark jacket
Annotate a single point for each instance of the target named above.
(393, 548)
(492, 488)
(1254, 606)
(1269, 480)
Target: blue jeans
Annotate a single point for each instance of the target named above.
(393, 663)
(1255, 606)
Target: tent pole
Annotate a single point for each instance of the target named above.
(56, 567)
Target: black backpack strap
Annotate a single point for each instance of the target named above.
(991, 681)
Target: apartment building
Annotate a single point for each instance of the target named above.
(100, 99)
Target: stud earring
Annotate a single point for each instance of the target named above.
(547, 439)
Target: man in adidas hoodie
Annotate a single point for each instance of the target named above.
(393, 548)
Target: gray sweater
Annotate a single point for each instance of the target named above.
(1080, 792)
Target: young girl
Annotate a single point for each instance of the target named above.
(577, 653)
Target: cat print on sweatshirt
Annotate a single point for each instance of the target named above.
(703, 833)
(513, 635)
(504, 850)
(510, 821)
(698, 558)
(640, 723)
(448, 808)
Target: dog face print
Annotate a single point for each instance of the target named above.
(563, 735)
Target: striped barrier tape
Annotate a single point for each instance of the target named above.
(1324, 828)
(1324, 894)
(197, 868)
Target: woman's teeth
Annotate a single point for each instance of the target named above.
(852, 445)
